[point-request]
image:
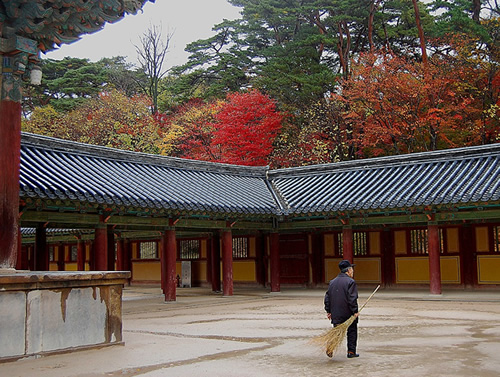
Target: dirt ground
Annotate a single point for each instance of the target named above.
(257, 333)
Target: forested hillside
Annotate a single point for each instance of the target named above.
(293, 83)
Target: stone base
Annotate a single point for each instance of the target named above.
(46, 312)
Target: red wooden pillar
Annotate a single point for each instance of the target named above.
(120, 253)
(215, 258)
(260, 265)
(127, 255)
(10, 146)
(209, 260)
(347, 244)
(317, 258)
(60, 258)
(80, 254)
(19, 261)
(227, 262)
(41, 253)
(111, 248)
(274, 245)
(168, 260)
(101, 248)
(434, 262)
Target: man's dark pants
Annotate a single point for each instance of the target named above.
(352, 336)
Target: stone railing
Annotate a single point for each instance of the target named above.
(47, 312)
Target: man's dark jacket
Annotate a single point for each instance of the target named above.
(341, 299)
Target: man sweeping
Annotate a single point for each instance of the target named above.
(341, 302)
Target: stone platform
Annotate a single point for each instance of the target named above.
(50, 312)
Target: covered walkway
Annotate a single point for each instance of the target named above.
(257, 333)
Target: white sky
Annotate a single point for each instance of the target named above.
(189, 20)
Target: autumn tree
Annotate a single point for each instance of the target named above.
(188, 131)
(240, 129)
(476, 66)
(246, 127)
(111, 119)
(396, 105)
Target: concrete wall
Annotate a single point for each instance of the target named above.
(55, 311)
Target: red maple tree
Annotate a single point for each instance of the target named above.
(395, 105)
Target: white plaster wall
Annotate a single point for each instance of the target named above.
(12, 323)
(58, 319)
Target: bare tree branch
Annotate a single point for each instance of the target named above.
(151, 54)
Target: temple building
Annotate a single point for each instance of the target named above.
(418, 220)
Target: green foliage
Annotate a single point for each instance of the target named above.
(111, 119)
(68, 83)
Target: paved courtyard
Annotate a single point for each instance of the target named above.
(256, 333)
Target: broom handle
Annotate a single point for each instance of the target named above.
(368, 299)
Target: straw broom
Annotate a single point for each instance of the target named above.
(332, 338)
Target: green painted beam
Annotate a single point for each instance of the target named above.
(472, 215)
(125, 223)
(59, 217)
(392, 220)
(309, 224)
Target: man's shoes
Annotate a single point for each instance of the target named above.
(351, 355)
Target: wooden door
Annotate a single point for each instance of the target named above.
(294, 259)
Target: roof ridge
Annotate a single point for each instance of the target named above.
(386, 161)
(99, 151)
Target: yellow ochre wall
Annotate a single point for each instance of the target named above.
(244, 271)
(367, 270)
(488, 269)
(482, 239)
(414, 270)
(400, 242)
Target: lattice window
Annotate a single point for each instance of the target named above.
(240, 247)
(189, 249)
(496, 239)
(360, 243)
(51, 254)
(148, 250)
(418, 241)
(340, 245)
(73, 255)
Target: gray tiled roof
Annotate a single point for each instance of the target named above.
(448, 177)
(57, 169)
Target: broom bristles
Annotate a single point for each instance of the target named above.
(330, 340)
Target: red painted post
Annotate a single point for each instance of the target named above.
(168, 259)
(80, 255)
(163, 261)
(260, 262)
(101, 248)
(111, 249)
(347, 244)
(19, 261)
(209, 269)
(434, 262)
(10, 146)
(215, 257)
(227, 262)
(119, 255)
(274, 244)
